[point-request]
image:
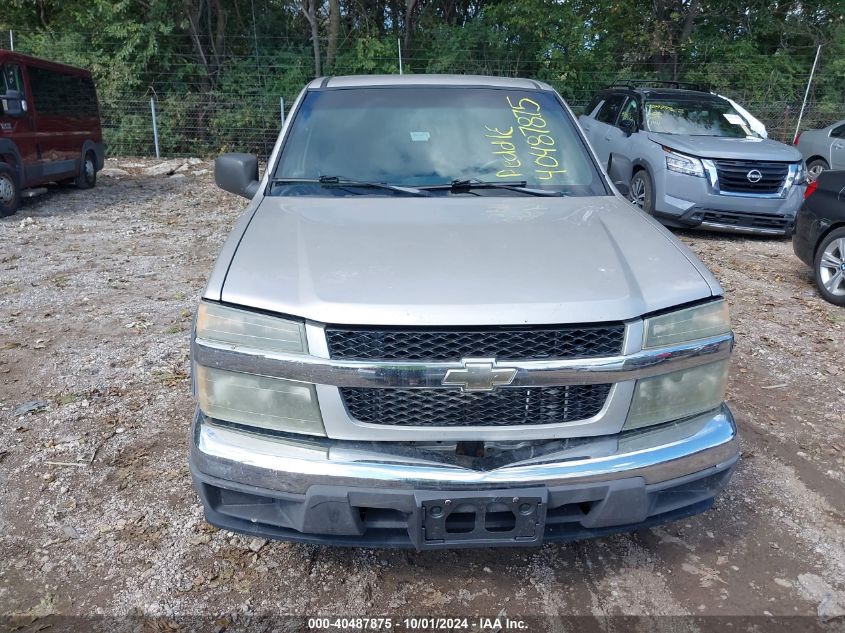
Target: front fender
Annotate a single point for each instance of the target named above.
(621, 168)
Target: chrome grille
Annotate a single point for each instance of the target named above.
(510, 406)
(454, 344)
(733, 176)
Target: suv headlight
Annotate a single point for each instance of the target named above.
(801, 173)
(260, 401)
(686, 392)
(682, 163)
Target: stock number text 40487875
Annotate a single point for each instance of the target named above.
(534, 138)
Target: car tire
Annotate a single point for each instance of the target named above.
(10, 191)
(87, 177)
(829, 267)
(815, 167)
(641, 192)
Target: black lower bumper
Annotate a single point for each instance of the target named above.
(426, 519)
(732, 221)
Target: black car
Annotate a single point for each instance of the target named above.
(819, 239)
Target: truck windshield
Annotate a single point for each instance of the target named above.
(696, 118)
(421, 136)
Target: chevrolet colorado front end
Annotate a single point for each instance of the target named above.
(439, 324)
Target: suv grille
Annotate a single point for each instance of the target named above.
(733, 176)
(510, 406)
(535, 343)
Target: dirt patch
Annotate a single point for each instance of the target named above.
(97, 291)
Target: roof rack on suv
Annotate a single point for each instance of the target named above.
(657, 83)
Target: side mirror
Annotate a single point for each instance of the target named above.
(623, 187)
(13, 103)
(237, 173)
(628, 126)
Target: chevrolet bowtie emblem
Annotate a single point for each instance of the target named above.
(479, 374)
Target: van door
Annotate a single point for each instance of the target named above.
(16, 117)
(59, 143)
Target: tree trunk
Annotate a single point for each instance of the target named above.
(684, 35)
(42, 14)
(410, 5)
(207, 23)
(309, 9)
(213, 16)
(334, 32)
(674, 23)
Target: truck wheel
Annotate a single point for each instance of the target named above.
(815, 167)
(642, 191)
(829, 267)
(87, 177)
(10, 193)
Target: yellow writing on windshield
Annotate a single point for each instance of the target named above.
(502, 141)
(653, 107)
(654, 112)
(542, 151)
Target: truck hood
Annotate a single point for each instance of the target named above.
(730, 148)
(460, 261)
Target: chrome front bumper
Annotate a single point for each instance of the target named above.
(746, 230)
(338, 492)
(691, 202)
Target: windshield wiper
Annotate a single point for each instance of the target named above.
(340, 181)
(457, 186)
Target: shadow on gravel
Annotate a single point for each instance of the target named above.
(66, 200)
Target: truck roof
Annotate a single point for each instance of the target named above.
(7, 56)
(360, 81)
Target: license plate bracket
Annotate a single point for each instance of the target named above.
(497, 517)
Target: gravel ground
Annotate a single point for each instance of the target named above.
(97, 513)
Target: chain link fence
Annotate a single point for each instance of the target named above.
(243, 113)
(207, 125)
(191, 125)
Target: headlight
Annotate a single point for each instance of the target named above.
(690, 324)
(249, 329)
(249, 399)
(679, 394)
(687, 392)
(801, 174)
(682, 163)
(260, 401)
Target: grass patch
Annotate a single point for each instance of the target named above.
(67, 398)
(171, 377)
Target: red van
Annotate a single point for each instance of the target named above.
(49, 127)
